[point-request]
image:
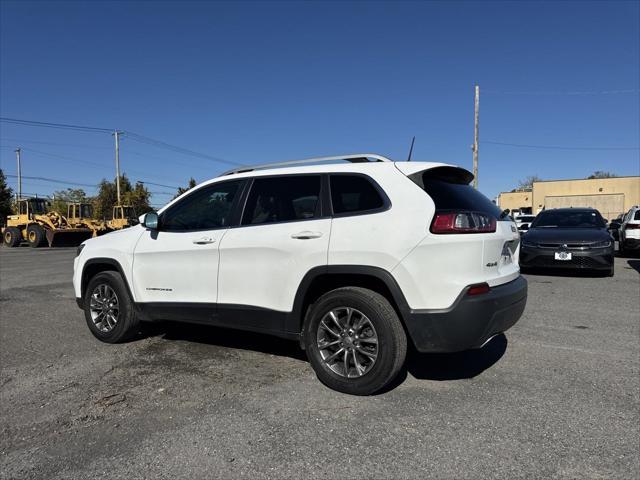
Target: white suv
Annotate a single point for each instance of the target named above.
(349, 258)
(629, 232)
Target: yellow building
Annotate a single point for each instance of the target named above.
(611, 196)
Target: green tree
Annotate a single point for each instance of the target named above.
(601, 174)
(6, 198)
(136, 196)
(181, 190)
(62, 198)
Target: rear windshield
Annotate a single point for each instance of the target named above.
(449, 189)
(525, 219)
(568, 219)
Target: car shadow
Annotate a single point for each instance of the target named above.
(223, 337)
(423, 366)
(456, 366)
(635, 264)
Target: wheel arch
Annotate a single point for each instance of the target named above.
(94, 266)
(320, 280)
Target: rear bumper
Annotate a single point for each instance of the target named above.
(631, 243)
(594, 259)
(470, 322)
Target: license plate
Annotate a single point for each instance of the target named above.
(563, 256)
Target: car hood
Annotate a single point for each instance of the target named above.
(565, 235)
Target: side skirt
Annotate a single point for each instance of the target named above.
(239, 317)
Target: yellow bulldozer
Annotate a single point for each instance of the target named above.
(38, 226)
(80, 215)
(123, 216)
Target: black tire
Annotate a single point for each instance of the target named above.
(610, 272)
(35, 235)
(391, 346)
(127, 323)
(12, 237)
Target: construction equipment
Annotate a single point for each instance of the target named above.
(123, 216)
(80, 215)
(36, 225)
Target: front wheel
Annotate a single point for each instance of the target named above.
(355, 341)
(35, 235)
(12, 237)
(108, 308)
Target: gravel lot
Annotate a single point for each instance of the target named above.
(558, 396)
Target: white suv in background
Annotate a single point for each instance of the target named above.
(629, 232)
(348, 258)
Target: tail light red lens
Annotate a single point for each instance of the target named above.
(632, 226)
(478, 289)
(463, 222)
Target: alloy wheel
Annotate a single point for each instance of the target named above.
(348, 342)
(104, 308)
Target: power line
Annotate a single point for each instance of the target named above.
(558, 147)
(157, 184)
(132, 135)
(66, 126)
(54, 180)
(160, 144)
(568, 93)
(22, 140)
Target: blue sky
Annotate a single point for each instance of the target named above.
(265, 81)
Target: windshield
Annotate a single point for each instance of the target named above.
(38, 207)
(568, 219)
(86, 211)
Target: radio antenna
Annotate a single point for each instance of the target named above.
(411, 149)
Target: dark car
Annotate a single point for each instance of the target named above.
(614, 227)
(568, 238)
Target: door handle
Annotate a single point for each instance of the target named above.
(204, 241)
(306, 235)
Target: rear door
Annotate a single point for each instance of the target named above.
(283, 234)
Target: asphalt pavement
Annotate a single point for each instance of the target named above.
(557, 397)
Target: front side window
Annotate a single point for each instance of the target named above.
(354, 194)
(207, 208)
(282, 199)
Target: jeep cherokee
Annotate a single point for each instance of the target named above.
(348, 255)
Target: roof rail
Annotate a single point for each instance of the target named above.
(354, 158)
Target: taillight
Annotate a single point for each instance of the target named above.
(478, 289)
(632, 226)
(463, 222)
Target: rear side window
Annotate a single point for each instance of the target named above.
(354, 194)
(637, 215)
(449, 189)
(282, 199)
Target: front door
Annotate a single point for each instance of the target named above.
(178, 263)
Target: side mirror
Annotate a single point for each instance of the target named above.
(149, 220)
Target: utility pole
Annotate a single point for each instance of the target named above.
(476, 127)
(116, 134)
(19, 173)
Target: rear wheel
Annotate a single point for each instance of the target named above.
(108, 308)
(355, 341)
(35, 235)
(12, 237)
